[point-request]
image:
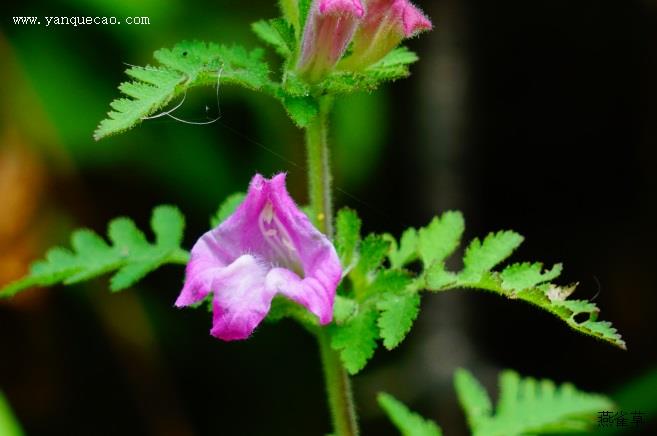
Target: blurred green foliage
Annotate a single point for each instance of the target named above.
(9, 426)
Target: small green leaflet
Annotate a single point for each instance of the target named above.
(278, 33)
(473, 397)
(301, 109)
(527, 275)
(407, 250)
(356, 339)
(408, 422)
(440, 238)
(347, 237)
(373, 250)
(395, 65)
(130, 254)
(527, 406)
(398, 312)
(385, 308)
(290, 12)
(481, 257)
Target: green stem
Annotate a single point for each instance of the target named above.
(338, 384)
(319, 170)
(338, 387)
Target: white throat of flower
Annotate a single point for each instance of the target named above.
(278, 238)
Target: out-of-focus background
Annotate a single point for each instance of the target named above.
(535, 116)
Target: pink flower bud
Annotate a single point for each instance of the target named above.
(329, 28)
(386, 24)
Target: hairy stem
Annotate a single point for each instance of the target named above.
(338, 387)
(338, 384)
(319, 170)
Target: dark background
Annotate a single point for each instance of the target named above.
(532, 116)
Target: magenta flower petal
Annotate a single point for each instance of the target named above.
(386, 24)
(268, 247)
(329, 28)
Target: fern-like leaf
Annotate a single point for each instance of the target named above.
(186, 65)
(130, 254)
(527, 406)
(522, 281)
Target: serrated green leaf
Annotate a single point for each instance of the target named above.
(408, 422)
(552, 298)
(186, 65)
(398, 312)
(440, 238)
(473, 397)
(347, 237)
(525, 282)
(527, 275)
(130, 254)
(528, 406)
(302, 109)
(290, 11)
(227, 208)
(343, 309)
(482, 257)
(278, 33)
(399, 57)
(438, 278)
(304, 10)
(387, 281)
(294, 85)
(394, 66)
(407, 251)
(373, 250)
(355, 339)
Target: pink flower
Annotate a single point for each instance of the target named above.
(329, 28)
(386, 24)
(265, 248)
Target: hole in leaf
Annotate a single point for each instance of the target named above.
(415, 266)
(581, 317)
(184, 53)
